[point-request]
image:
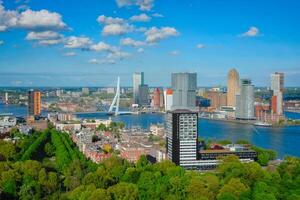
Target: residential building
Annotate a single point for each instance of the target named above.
(277, 87)
(34, 103)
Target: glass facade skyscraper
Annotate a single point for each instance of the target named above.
(138, 79)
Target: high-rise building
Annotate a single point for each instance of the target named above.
(217, 99)
(34, 103)
(277, 87)
(85, 91)
(6, 98)
(168, 97)
(143, 99)
(245, 101)
(182, 121)
(184, 87)
(182, 137)
(156, 98)
(138, 79)
(233, 87)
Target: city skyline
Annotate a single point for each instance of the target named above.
(49, 44)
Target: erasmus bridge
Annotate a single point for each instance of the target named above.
(114, 107)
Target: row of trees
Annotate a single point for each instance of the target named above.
(33, 148)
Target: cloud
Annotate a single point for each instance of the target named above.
(102, 46)
(1, 42)
(155, 34)
(252, 32)
(29, 19)
(50, 42)
(200, 46)
(140, 50)
(110, 20)
(131, 42)
(45, 37)
(174, 53)
(157, 15)
(8, 18)
(69, 54)
(118, 55)
(42, 19)
(93, 61)
(74, 42)
(140, 18)
(116, 29)
(146, 5)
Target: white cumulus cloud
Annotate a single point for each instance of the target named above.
(252, 32)
(29, 19)
(110, 20)
(43, 35)
(102, 46)
(8, 18)
(1, 42)
(131, 42)
(116, 29)
(140, 18)
(155, 34)
(74, 42)
(146, 5)
(42, 19)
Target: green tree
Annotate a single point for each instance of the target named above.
(233, 188)
(123, 191)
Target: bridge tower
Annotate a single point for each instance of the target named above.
(116, 101)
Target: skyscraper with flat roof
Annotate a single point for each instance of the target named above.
(184, 87)
(233, 87)
(182, 121)
(138, 79)
(245, 101)
(34, 103)
(277, 87)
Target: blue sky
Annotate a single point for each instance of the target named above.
(90, 43)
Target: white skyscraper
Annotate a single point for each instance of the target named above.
(277, 87)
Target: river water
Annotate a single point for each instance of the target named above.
(284, 140)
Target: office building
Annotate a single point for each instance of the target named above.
(182, 137)
(6, 98)
(184, 87)
(233, 87)
(85, 91)
(277, 88)
(245, 101)
(138, 79)
(156, 98)
(182, 121)
(168, 97)
(143, 97)
(217, 99)
(34, 103)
